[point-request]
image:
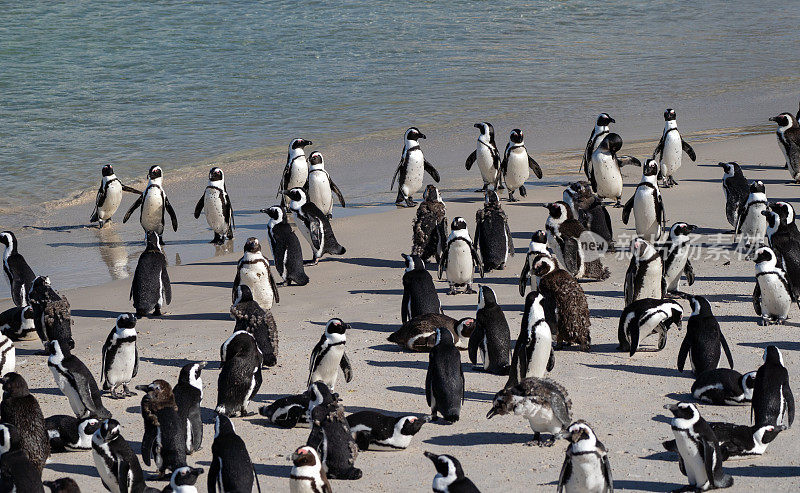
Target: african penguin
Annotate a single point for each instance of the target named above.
(188, 393)
(231, 468)
(670, 149)
(117, 465)
(444, 380)
(515, 165)
(752, 224)
(773, 401)
(772, 296)
(19, 274)
(240, 376)
(330, 436)
(587, 207)
(487, 156)
(308, 472)
(450, 476)
(21, 409)
(109, 196)
(319, 394)
(18, 473)
(599, 132)
(295, 173)
(320, 186)
(537, 249)
(164, 440)
(217, 203)
(375, 431)
(675, 256)
(460, 258)
(154, 203)
(76, 382)
(419, 292)
(703, 339)
(645, 275)
(586, 466)
(329, 355)
(736, 189)
(286, 250)
(723, 386)
(183, 479)
(253, 271)
(533, 351)
(784, 239)
(251, 318)
(565, 237)
(410, 171)
(120, 360)
(429, 231)
(646, 317)
(419, 333)
(8, 355)
(51, 313)
(314, 225)
(604, 168)
(62, 485)
(788, 134)
(491, 337)
(288, 412)
(738, 441)
(492, 234)
(647, 205)
(17, 323)
(151, 290)
(70, 433)
(565, 306)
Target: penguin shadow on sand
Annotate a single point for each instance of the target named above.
(782, 345)
(226, 317)
(390, 348)
(367, 262)
(634, 367)
(469, 395)
(412, 364)
(178, 363)
(73, 469)
(377, 291)
(376, 327)
(474, 438)
(686, 397)
(47, 391)
(94, 313)
(209, 284)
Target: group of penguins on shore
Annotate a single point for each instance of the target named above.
(556, 308)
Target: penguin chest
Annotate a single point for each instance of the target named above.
(754, 226)
(256, 277)
(485, 162)
(671, 155)
(298, 175)
(215, 217)
(775, 299)
(104, 460)
(112, 200)
(644, 213)
(8, 356)
(586, 474)
(607, 176)
(121, 369)
(541, 355)
(692, 460)
(651, 281)
(415, 167)
(75, 401)
(319, 191)
(305, 479)
(153, 211)
(517, 171)
(327, 369)
(459, 263)
(674, 270)
(542, 419)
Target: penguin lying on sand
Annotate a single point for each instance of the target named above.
(723, 386)
(289, 411)
(419, 333)
(737, 440)
(70, 433)
(17, 323)
(375, 431)
(646, 317)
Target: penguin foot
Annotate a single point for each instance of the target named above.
(469, 290)
(618, 204)
(512, 199)
(481, 190)
(128, 392)
(410, 202)
(313, 261)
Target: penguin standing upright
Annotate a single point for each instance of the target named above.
(646, 317)
(70, 433)
(419, 292)
(533, 351)
(329, 355)
(537, 249)
(599, 132)
(450, 476)
(375, 431)
(154, 203)
(604, 168)
(253, 271)
(586, 466)
(516, 164)
(217, 203)
(703, 339)
(788, 134)
(647, 205)
(543, 402)
(736, 189)
(565, 306)
(492, 233)
(492, 337)
(286, 250)
(120, 356)
(109, 196)
(429, 231)
(188, 394)
(410, 171)
(51, 313)
(295, 173)
(772, 296)
(151, 290)
(784, 239)
(723, 386)
(240, 376)
(320, 186)
(331, 437)
(308, 472)
(645, 275)
(773, 401)
(459, 258)
(260, 323)
(76, 382)
(117, 465)
(486, 156)
(675, 256)
(19, 274)
(164, 439)
(670, 149)
(587, 207)
(565, 238)
(21, 409)
(444, 380)
(314, 225)
(17, 471)
(752, 224)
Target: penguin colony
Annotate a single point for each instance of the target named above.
(556, 314)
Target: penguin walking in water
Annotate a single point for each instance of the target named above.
(51, 313)
(444, 380)
(537, 249)
(646, 317)
(70, 433)
(565, 306)
(492, 337)
(604, 168)
(429, 232)
(736, 189)
(329, 355)
(184, 478)
(286, 250)
(320, 186)
(486, 156)
(516, 165)
(647, 205)
(675, 256)
(586, 466)
(20, 409)
(17, 471)
(460, 258)
(219, 210)
(188, 393)
(253, 271)
(565, 236)
(752, 224)
(253, 319)
(375, 431)
(587, 207)
(670, 149)
(788, 134)
(492, 233)
(76, 382)
(120, 357)
(109, 196)
(17, 323)
(295, 173)
(331, 437)
(773, 401)
(543, 402)
(164, 440)
(724, 387)
(450, 476)
(599, 132)
(151, 290)
(419, 292)
(314, 225)
(410, 171)
(419, 333)
(240, 376)
(645, 275)
(772, 296)
(154, 203)
(738, 440)
(19, 274)
(308, 472)
(533, 352)
(703, 339)
(289, 411)
(784, 239)
(117, 465)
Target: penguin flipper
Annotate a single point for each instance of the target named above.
(689, 271)
(396, 172)
(711, 460)
(660, 213)
(431, 171)
(688, 150)
(213, 474)
(347, 369)
(126, 188)
(147, 443)
(523, 278)
(428, 385)
(272, 284)
(135, 206)
(104, 351)
(628, 160)
(171, 213)
(474, 341)
(634, 335)
(312, 362)
(338, 192)
(510, 240)
(227, 209)
(476, 257)
(566, 473)
(726, 348)
(626, 211)
(236, 282)
(560, 410)
(167, 288)
(123, 469)
(471, 160)
(199, 207)
(605, 464)
(660, 147)
(135, 360)
(316, 231)
(682, 353)
(504, 163)
(789, 398)
(101, 197)
(534, 166)
(757, 299)
(551, 362)
(443, 260)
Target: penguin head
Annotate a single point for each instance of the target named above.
(539, 236)
(252, 245)
(612, 143)
(185, 476)
(62, 485)
(126, 321)
(9, 438)
(491, 199)
(700, 306)
(641, 249)
(298, 197)
(749, 384)
(683, 410)
(486, 296)
(580, 431)
(155, 172)
(316, 161)
(516, 136)
(669, 115)
(767, 433)
(39, 287)
(443, 337)
(109, 430)
(190, 373)
(757, 187)
(603, 119)
(413, 262)
(765, 255)
(275, 213)
(650, 168)
(14, 385)
(306, 457)
(431, 194)
(784, 210)
(446, 465)
(784, 120)
(243, 294)
(730, 168)
(56, 350)
(87, 426)
(223, 425)
(544, 266)
(559, 211)
(107, 170)
(771, 355)
(158, 390)
(502, 403)
(458, 224)
(676, 313)
(681, 230)
(773, 220)
(577, 192)
(336, 326)
(299, 144)
(8, 239)
(216, 174)
(413, 134)
(410, 425)
(487, 131)
(465, 327)
(319, 394)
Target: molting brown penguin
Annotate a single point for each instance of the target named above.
(429, 232)
(565, 306)
(21, 409)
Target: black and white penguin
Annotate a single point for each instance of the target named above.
(375, 431)
(240, 376)
(419, 292)
(647, 205)
(738, 440)
(17, 323)
(645, 275)
(773, 401)
(419, 333)
(410, 171)
(295, 173)
(491, 337)
(723, 386)
(444, 380)
(319, 394)
(151, 290)
(516, 165)
(565, 306)
(700, 459)
(487, 156)
(537, 249)
(70, 433)
(329, 355)
(120, 357)
(17, 471)
(109, 196)
(788, 134)
(587, 207)
(314, 225)
(253, 271)
(772, 296)
(646, 317)
(289, 411)
(450, 476)
(736, 189)
(164, 440)
(460, 258)
(752, 223)
(219, 210)
(188, 394)
(308, 472)
(19, 274)
(675, 255)
(76, 382)
(63, 485)
(599, 132)
(8, 355)
(286, 250)
(784, 239)
(429, 232)
(565, 236)
(543, 402)
(703, 339)
(670, 149)
(533, 352)
(604, 168)
(492, 234)
(330, 436)
(154, 203)
(586, 466)
(231, 468)
(51, 313)
(183, 480)
(251, 318)
(20, 409)
(320, 186)
(117, 465)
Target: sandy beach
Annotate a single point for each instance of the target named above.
(622, 397)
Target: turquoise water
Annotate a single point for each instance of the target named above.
(133, 83)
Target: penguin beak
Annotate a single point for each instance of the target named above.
(202, 364)
(263, 210)
(492, 413)
(478, 126)
(431, 456)
(691, 227)
(765, 212)
(143, 388)
(671, 407)
(773, 119)
(721, 165)
(421, 136)
(612, 120)
(426, 419)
